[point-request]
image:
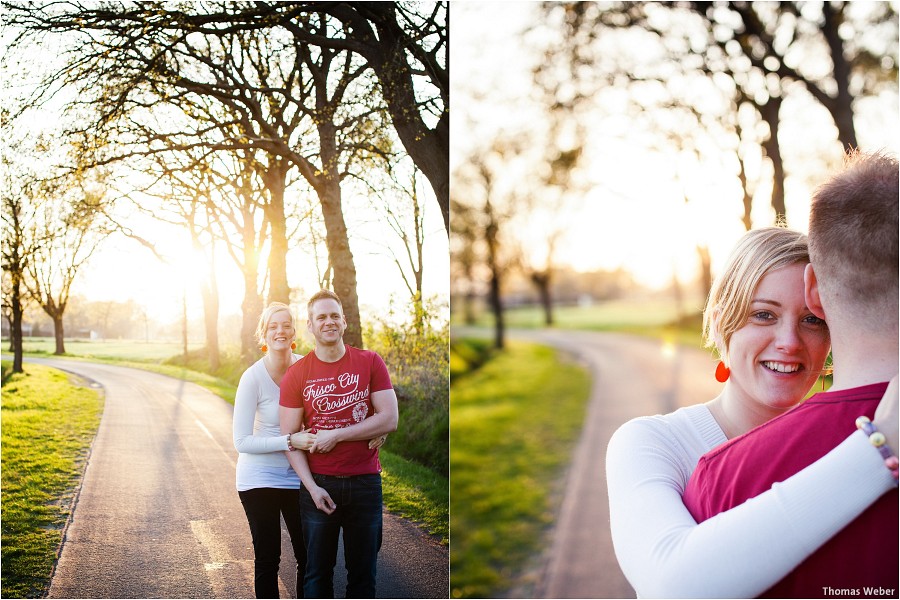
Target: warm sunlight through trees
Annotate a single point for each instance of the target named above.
(230, 115)
(691, 122)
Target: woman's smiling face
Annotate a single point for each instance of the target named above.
(280, 331)
(777, 355)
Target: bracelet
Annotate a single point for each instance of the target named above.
(877, 439)
(290, 446)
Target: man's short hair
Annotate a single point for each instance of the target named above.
(323, 295)
(853, 239)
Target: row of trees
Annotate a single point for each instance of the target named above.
(247, 122)
(50, 229)
(705, 81)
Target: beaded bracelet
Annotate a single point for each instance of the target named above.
(289, 444)
(877, 439)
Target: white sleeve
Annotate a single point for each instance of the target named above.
(740, 553)
(245, 403)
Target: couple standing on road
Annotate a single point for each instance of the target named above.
(308, 431)
(755, 493)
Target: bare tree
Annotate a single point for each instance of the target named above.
(483, 203)
(69, 230)
(17, 250)
(405, 216)
(757, 47)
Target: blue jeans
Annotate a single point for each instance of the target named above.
(265, 508)
(358, 512)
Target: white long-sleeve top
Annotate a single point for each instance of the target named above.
(257, 437)
(740, 553)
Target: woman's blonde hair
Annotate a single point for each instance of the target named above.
(266, 316)
(756, 253)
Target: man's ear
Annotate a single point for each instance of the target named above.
(811, 292)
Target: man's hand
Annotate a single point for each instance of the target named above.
(323, 500)
(326, 440)
(887, 415)
(377, 442)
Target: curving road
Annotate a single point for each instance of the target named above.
(158, 516)
(631, 376)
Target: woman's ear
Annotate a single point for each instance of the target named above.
(811, 292)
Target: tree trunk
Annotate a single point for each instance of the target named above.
(745, 186)
(541, 280)
(274, 178)
(252, 305)
(496, 275)
(841, 108)
(57, 317)
(705, 271)
(469, 307)
(210, 293)
(769, 112)
(341, 259)
(251, 309)
(15, 328)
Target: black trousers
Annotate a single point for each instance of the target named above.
(264, 508)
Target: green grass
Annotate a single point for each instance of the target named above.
(514, 422)
(48, 426)
(416, 493)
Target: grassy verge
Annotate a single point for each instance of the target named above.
(416, 493)
(513, 424)
(48, 426)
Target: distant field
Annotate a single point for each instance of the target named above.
(124, 349)
(600, 315)
(655, 318)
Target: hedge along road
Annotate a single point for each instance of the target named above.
(158, 515)
(631, 377)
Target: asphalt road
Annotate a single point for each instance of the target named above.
(631, 377)
(158, 515)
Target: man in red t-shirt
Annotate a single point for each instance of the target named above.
(344, 396)
(852, 284)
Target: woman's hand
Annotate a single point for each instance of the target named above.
(303, 440)
(887, 415)
(377, 442)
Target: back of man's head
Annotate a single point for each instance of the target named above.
(853, 234)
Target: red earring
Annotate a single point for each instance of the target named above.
(293, 345)
(722, 372)
(264, 348)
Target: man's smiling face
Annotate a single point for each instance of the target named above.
(326, 322)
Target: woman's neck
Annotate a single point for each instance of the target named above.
(736, 415)
(277, 363)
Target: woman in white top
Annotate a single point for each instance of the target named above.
(756, 309)
(267, 485)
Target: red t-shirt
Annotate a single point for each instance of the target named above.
(862, 556)
(336, 395)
